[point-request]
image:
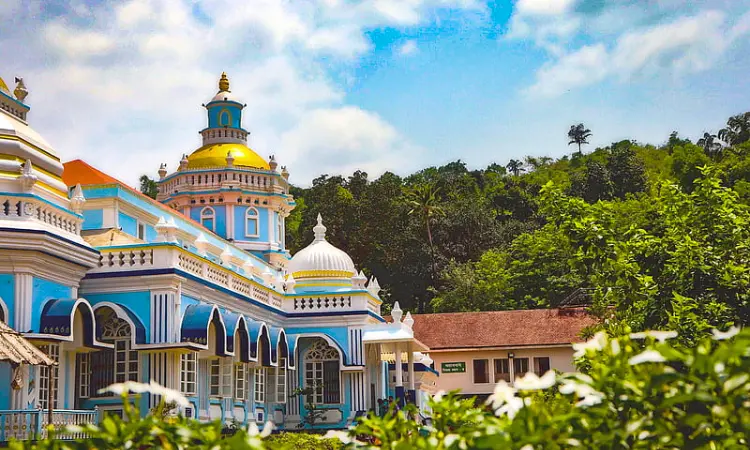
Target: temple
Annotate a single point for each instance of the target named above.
(194, 290)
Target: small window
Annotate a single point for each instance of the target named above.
(240, 381)
(251, 222)
(141, 231)
(208, 218)
(215, 378)
(281, 381)
(188, 370)
(225, 118)
(126, 361)
(260, 385)
(84, 374)
(541, 365)
(520, 367)
(481, 371)
(502, 370)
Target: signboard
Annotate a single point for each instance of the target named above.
(453, 367)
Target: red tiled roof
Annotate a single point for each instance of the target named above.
(80, 172)
(501, 328)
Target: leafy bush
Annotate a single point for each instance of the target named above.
(639, 391)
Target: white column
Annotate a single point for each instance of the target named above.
(410, 354)
(399, 371)
(23, 292)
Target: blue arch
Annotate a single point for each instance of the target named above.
(57, 319)
(235, 323)
(195, 324)
(279, 345)
(139, 331)
(257, 333)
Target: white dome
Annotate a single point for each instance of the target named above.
(321, 259)
(223, 96)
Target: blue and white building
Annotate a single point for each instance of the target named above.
(195, 290)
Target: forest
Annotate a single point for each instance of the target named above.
(657, 233)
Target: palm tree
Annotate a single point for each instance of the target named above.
(515, 167)
(710, 144)
(579, 134)
(737, 130)
(423, 200)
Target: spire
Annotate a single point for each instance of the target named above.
(77, 199)
(224, 83)
(319, 230)
(20, 92)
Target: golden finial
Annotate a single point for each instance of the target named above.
(20, 92)
(224, 83)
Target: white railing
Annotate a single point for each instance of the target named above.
(32, 423)
(33, 209)
(144, 257)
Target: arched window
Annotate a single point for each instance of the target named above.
(251, 223)
(208, 218)
(322, 373)
(225, 118)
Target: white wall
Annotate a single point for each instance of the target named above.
(561, 359)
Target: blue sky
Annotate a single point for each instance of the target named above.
(334, 85)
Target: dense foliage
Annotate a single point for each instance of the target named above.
(638, 391)
(661, 228)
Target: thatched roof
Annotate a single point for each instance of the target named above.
(14, 348)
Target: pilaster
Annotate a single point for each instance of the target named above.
(24, 286)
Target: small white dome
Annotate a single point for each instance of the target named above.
(223, 96)
(321, 259)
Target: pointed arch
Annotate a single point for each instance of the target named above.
(58, 317)
(196, 323)
(138, 331)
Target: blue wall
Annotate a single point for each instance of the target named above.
(214, 112)
(128, 224)
(42, 291)
(220, 217)
(93, 219)
(239, 224)
(8, 294)
(137, 302)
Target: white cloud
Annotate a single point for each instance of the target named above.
(686, 45)
(121, 85)
(348, 138)
(544, 7)
(408, 48)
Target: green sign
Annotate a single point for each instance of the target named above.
(453, 367)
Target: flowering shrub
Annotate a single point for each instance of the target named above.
(639, 391)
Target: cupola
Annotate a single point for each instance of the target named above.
(320, 259)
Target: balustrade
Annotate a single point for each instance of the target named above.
(32, 424)
(29, 208)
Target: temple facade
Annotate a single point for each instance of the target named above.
(194, 290)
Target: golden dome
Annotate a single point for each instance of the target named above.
(215, 155)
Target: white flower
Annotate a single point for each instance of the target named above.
(531, 382)
(596, 343)
(154, 388)
(660, 336)
(125, 388)
(648, 356)
(504, 400)
(527, 447)
(342, 436)
(724, 335)
(252, 429)
(438, 396)
(590, 400)
(450, 439)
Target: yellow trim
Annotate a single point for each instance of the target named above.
(13, 137)
(323, 274)
(41, 184)
(324, 284)
(17, 159)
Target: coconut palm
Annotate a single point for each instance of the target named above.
(424, 202)
(515, 166)
(710, 144)
(579, 134)
(737, 130)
